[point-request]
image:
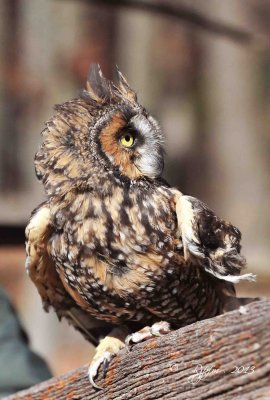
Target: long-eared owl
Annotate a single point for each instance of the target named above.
(114, 247)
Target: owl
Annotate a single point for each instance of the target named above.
(114, 249)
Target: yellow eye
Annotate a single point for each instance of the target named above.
(127, 140)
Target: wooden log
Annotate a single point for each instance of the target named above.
(226, 357)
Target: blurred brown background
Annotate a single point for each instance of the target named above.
(211, 95)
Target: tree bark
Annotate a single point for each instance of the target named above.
(226, 357)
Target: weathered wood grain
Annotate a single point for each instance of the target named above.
(227, 357)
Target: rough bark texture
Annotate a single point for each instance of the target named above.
(227, 357)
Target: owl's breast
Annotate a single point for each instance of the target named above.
(143, 234)
(124, 223)
(120, 247)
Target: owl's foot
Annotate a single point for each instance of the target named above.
(105, 351)
(148, 332)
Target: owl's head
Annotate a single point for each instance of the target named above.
(125, 135)
(104, 130)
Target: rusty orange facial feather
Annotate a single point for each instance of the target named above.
(111, 146)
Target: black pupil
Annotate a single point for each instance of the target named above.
(127, 138)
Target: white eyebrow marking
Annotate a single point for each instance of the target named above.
(142, 124)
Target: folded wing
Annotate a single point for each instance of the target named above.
(209, 241)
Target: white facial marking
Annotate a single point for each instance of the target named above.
(150, 162)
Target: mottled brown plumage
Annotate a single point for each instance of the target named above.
(114, 245)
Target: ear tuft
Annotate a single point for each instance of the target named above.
(97, 86)
(100, 91)
(124, 87)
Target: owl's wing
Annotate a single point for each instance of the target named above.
(209, 241)
(42, 272)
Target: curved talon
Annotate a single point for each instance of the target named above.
(139, 336)
(128, 340)
(94, 366)
(133, 338)
(160, 328)
(106, 364)
(93, 383)
(91, 376)
(105, 351)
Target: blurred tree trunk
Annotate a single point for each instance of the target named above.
(238, 185)
(134, 53)
(2, 57)
(10, 98)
